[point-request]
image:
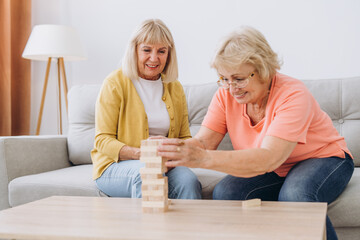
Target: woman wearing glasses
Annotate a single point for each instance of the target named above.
(286, 147)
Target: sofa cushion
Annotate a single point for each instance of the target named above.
(81, 118)
(339, 100)
(71, 181)
(208, 179)
(345, 211)
(198, 104)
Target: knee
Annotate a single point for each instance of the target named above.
(191, 182)
(295, 194)
(184, 184)
(220, 193)
(227, 190)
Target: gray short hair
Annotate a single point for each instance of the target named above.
(247, 45)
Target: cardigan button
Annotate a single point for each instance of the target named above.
(168, 106)
(172, 117)
(164, 98)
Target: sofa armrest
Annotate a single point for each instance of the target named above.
(25, 155)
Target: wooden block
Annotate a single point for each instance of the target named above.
(159, 166)
(148, 148)
(155, 206)
(151, 187)
(160, 192)
(256, 202)
(155, 185)
(159, 181)
(148, 152)
(150, 171)
(166, 188)
(145, 170)
(152, 159)
(155, 198)
(153, 165)
(151, 142)
(150, 145)
(154, 210)
(144, 142)
(150, 176)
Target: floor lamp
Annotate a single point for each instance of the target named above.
(54, 42)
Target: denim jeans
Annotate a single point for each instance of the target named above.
(312, 180)
(123, 179)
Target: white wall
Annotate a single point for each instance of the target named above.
(315, 38)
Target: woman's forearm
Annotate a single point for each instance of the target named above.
(239, 163)
(195, 142)
(251, 162)
(129, 153)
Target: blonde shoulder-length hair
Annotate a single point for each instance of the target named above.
(151, 31)
(247, 45)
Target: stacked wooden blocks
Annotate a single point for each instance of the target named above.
(154, 183)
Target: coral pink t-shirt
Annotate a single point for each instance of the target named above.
(292, 113)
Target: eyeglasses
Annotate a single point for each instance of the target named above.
(238, 83)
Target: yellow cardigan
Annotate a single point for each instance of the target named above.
(120, 118)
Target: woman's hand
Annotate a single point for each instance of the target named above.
(129, 153)
(182, 153)
(161, 137)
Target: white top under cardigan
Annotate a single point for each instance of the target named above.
(151, 92)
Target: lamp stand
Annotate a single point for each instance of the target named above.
(60, 68)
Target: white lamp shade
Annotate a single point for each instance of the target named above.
(54, 41)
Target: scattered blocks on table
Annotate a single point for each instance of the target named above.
(154, 184)
(256, 202)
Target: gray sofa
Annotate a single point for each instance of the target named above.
(35, 167)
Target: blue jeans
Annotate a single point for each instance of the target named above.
(123, 179)
(312, 180)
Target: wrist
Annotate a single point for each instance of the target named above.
(129, 153)
(137, 153)
(207, 159)
(200, 143)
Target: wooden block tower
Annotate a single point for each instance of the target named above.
(154, 183)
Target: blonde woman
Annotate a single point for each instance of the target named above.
(140, 100)
(286, 147)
